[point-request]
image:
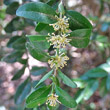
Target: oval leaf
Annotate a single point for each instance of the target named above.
(67, 80)
(37, 11)
(65, 98)
(80, 37)
(22, 91)
(19, 73)
(108, 82)
(37, 53)
(45, 77)
(35, 71)
(38, 97)
(77, 21)
(95, 73)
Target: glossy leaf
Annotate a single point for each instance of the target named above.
(11, 9)
(37, 53)
(108, 60)
(91, 88)
(13, 57)
(95, 73)
(12, 40)
(22, 61)
(45, 77)
(108, 82)
(106, 67)
(77, 21)
(65, 98)
(22, 91)
(44, 28)
(35, 71)
(38, 97)
(80, 95)
(67, 80)
(37, 37)
(80, 83)
(103, 89)
(39, 41)
(19, 44)
(81, 29)
(19, 73)
(87, 92)
(80, 38)
(15, 24)
(37, 11)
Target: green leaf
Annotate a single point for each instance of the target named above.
(81, 29)
(79, 82)
(77, 21)
(108, 61)
(19, 44)
(19, 73)
(95, 73)
(106, 67)
(13, 57)
(45, 77)
(11, 9)
(51, 2)
(22, 61)
(67, 80)
(91, 88)
(61, 8)
(108, 82)
(15, 24)
(39, 41)
(35, 71)
(44, 28)
(65, 98)
(40, 27)
(80, 38)
(37, 11)
(37, 37)
(12, 40)
(22, 91)
(38, 97)
(8, 2)
(88, 91)
(103, 89)
(37, 53)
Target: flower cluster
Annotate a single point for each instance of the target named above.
(52, 99)
(61, 25)
(58, 61)
(59, 41)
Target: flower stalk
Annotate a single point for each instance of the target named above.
(59, 41)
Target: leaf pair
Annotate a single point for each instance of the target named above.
(44, 14)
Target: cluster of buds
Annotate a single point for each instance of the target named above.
(59, 41)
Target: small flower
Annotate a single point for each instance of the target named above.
(59, 41)
(61, 25)
(52, 100)
(58, 61)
